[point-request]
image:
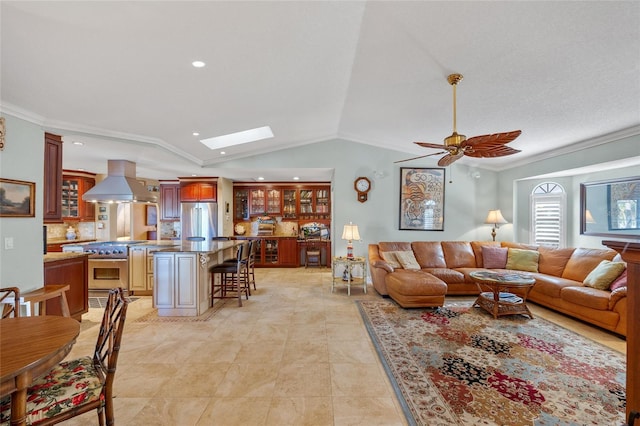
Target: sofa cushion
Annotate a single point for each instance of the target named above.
(617, 295)
(585, 260)
(390, 258)
(511, 244)
(619, 282)
(494, 257)
(477, 249)
(458, 254)
(447, 275)
(522, 260)
(394, 246)
(604, 274)
(429, 254)
(553, 260)
(586, 296)
(551, 286)
(407, 260)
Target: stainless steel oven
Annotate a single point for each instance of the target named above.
(108, 264)
(105, 274)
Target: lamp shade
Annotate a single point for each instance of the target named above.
(350, 232)
(495, 217)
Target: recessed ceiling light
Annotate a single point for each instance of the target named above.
(198, 64)
(296, 178)
(78, 143)
(222, 153)
(260, 178)
(238, 138)
(196, 134)
(193, 174)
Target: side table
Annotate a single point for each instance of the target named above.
(347, 278)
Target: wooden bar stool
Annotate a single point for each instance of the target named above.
(45, 293)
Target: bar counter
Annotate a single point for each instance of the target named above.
(181, 278)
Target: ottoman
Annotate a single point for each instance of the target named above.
(415, 289)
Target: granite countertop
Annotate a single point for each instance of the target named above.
(201, 247)
(52, 257)
(65, 241)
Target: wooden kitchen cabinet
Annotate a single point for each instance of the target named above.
(141, 270)
(240, 204)
(170, 201)
(52, 185)
(265, 201)
(74, 185)
(290, 203)
(198, 191)
(288, 251)
(72, 271)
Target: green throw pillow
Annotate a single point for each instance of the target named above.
(407, 259)
(522, 260)
(604, 274)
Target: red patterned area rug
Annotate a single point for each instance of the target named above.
(456, 365)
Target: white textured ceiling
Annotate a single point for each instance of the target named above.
(118, 76)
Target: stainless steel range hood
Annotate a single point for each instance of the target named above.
(120, 186)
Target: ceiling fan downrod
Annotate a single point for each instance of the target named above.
(453, 80)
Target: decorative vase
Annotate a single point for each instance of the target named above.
(71, 233)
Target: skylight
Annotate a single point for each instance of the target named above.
(238, 138)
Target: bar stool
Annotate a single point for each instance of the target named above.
(232, 277)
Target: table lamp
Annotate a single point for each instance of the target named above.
(350, 233)
(495, 218)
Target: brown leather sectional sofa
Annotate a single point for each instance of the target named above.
(559, 280)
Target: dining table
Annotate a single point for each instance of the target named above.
(29, 348)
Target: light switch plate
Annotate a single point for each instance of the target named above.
(8, 243)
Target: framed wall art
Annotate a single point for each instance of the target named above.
(17, 198)
(610, 208)
(422, 199)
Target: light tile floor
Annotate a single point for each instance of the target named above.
(294, 354)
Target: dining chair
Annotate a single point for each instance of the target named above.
(312, 253)
(83, 384)
(232, 277)
(10, 301)
(251, 266)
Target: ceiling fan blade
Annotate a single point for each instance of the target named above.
(499, 151)
(495, 139)
(422, 156)
(430, 145)
(449, 159)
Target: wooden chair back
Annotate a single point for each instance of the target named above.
(10, 301)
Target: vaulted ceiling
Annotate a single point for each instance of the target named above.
(118, 76)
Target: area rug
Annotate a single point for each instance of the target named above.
(456, 365)
(153, 315)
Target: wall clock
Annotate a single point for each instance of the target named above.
(362, 186)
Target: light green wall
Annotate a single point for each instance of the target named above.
(22, 159)
(467, 199)
(515, 185)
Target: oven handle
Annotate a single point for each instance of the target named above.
(98, 259)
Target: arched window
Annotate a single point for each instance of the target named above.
(548, 215)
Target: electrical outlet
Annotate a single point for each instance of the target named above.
(8, 243)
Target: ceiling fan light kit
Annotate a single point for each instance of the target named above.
(456, 145)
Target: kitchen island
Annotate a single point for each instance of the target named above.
(181, 283)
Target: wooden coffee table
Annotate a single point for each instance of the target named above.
(494, 295)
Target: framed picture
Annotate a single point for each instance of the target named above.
(422, 199)
(17, 198)
(611, 208)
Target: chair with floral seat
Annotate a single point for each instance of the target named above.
(80, 385)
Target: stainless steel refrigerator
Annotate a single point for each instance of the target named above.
(199, 221)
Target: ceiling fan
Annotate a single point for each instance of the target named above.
(457, 145)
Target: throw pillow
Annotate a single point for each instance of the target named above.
(407, 260)
(621, 281)
(522, 260)
(390, 258)
(604, 274)
(494, 257)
